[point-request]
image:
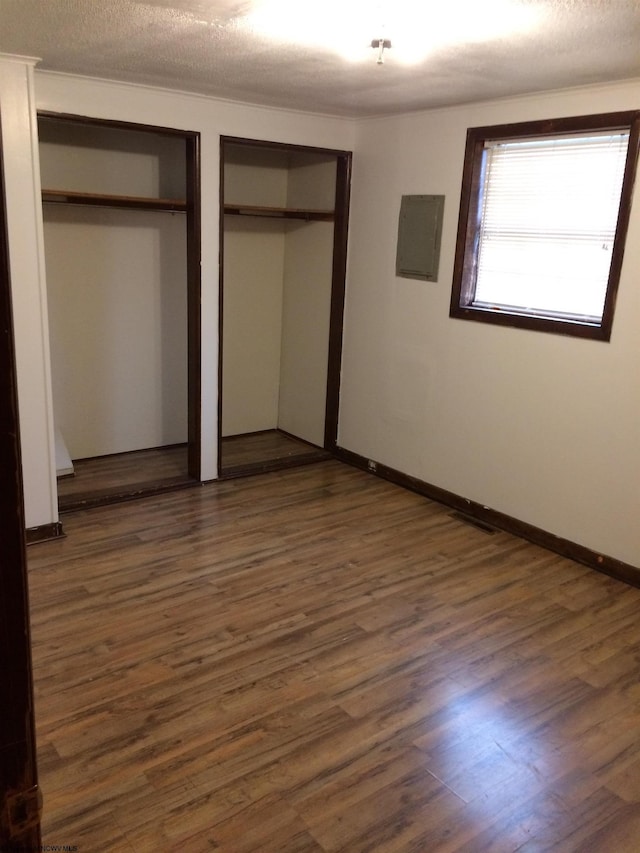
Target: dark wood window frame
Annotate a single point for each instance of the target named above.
(465, 266)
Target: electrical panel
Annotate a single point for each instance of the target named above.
(419, 236)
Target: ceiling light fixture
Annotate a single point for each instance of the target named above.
(419, 28)
(381, 45)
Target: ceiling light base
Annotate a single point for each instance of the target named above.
(381, 45)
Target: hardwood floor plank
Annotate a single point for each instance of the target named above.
(108, 478)
(387, 818)
(265, 450)
(105, 472)
(316, 660)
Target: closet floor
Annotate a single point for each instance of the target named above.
(265, 451)
(107, 479)
(104, 479)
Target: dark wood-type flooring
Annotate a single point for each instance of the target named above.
(119, 476)
(265, 450)
(316, 660)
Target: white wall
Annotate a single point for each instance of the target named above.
(306, 303)
(101, 99)
(84, 158)
(117, 295)
(542, 427)
(252, 295)
(305, 329)
(26, 259)
(252, 324)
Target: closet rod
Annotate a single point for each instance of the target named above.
(175, 205)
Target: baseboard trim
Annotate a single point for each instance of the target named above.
(44, 533)
(601, 562)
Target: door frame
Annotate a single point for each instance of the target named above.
(20, 799)
(338, 281)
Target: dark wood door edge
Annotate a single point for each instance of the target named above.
(19, 794)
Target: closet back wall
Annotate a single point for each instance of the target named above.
(306, 306)
(253, 283)
(116, 286)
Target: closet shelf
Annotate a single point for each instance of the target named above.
(122, 201)
(279, 212)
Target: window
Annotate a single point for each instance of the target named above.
(543, 218)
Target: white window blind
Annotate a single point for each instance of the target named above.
(548, 220)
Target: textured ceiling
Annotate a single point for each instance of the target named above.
(211, 47)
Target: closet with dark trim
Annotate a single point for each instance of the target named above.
(122, 251)
(284, 213)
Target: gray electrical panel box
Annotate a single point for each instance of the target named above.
(419, 235)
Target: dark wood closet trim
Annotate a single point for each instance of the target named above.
(192, 206)
(279, 146)
(116, 124)
(340, 216)
(579, 553)
(223, 141)
(194, 313)
(336, 322)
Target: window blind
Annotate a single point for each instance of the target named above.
(548, 220)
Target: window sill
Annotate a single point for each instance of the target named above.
(557, 326)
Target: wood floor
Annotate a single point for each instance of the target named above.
(266, 450)
(314, 661)
(116, 477)
(122, 473)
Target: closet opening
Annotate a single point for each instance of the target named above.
(283, 243)
(121, 211)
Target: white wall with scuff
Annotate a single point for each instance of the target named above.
(541, 427)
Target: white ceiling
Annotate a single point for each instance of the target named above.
(208, 46)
